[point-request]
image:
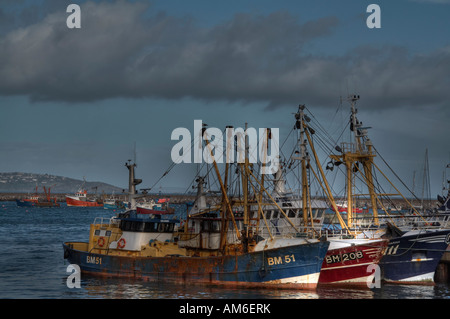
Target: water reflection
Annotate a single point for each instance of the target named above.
(32, 266)
(332, 292)
(393, 291)
(108, 288)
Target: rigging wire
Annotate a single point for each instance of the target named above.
(394, 172)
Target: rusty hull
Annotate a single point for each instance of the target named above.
(294, 267)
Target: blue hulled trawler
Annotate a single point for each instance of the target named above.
(153, 247)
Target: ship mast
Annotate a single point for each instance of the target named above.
(353, 153)
(224, 215)
(304, 160)
(244, 175)
(224, 194)
(132, 182)
(301, 117)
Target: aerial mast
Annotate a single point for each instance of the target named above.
(299, 116)
(244, 175)
(132, 182)
(224, 216)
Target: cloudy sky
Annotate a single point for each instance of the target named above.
(74, 102)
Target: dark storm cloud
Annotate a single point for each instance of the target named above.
(126, 50)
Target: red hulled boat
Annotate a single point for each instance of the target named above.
(80, 200)
(347, 261)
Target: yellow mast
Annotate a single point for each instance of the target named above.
(327, 187)
(349, 166)
(273, 200)
(224, 192)
(358, 152)
(261, 212)
(306, 200)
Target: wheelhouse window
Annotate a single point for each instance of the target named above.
(137, 226)
(148, 227)
(165, 227)
(210, 226)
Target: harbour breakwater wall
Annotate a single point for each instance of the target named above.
(184, 198)
(174, 198)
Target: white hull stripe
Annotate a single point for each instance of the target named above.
(305, 279)
(425, 277)
(433, 239)
(347, 266)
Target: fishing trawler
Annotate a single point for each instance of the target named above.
(80, 199)
(113, 203)
(411, 256)
(27, 202)
(348, 257)
(35, 201)
(422, 241)
(150, 247)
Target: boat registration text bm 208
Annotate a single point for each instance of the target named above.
(344, 257)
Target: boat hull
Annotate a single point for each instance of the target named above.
(293, 267)
(72, 201)
(349, 265)
(25, 203)
(414, 258)
(144, 210)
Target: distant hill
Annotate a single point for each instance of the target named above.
(26, 183)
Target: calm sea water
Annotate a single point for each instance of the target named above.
(32, 266)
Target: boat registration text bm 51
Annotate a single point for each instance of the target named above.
(94, 260)
(280, 260)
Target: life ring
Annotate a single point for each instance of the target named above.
(101, 242)
(121, 243)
